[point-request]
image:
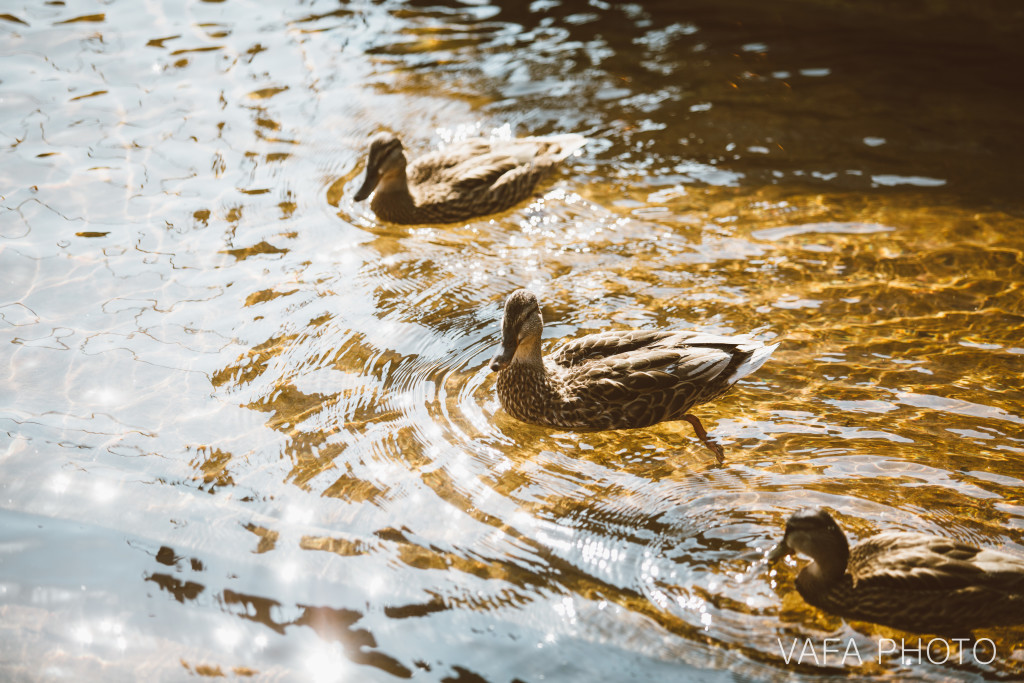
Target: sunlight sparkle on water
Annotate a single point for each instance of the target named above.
(326, 664)
(567, 609)
(522, 520)
(115, 630)
(297, 514)
(460, 132)
(228, 636)
(82, 634)
(104, 396)
(104, 492)
(288, 572)
(59, 484)
(375, 585)
(598, 553)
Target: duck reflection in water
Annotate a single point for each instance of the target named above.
(615, 380)
(909, 581)
(465, 180)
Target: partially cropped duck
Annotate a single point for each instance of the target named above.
(465, 180)
(909, 581)
(615, 380)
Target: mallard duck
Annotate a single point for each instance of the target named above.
(909, 581)
(615, 380)
(465, 180)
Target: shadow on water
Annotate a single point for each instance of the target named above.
(251, 431)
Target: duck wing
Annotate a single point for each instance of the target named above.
(925, 562)
(647, 385)
(627, 375)
(479, 172)
(470, 164)
(747, 354)
(434, 165)
(481, 162)
(605, 344)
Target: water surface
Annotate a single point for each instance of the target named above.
(249, 431)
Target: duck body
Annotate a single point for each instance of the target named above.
(626, 379)
(614, 380)
(910, 581)
(465, 180)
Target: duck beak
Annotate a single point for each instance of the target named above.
(369, 183)
(778, 552)
(509, 343)
(502, 358)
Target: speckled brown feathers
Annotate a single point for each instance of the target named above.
(910, 581)
(465, 180)
(613, 380)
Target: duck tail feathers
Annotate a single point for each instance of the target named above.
(564, 145)
(757, 358)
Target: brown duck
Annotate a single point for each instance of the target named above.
(909, 581)
(465, 180)
(615, 380)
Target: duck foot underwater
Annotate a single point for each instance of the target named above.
(702, 434)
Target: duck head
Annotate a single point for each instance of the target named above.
(813, 532)
(521, 328)
(386, 158)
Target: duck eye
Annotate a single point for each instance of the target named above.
(523, 317)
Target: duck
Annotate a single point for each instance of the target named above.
(465, 180)
(621, 379)
(904, 580)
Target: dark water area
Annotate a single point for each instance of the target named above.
(247, 430)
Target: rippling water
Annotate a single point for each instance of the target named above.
(248, 430)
